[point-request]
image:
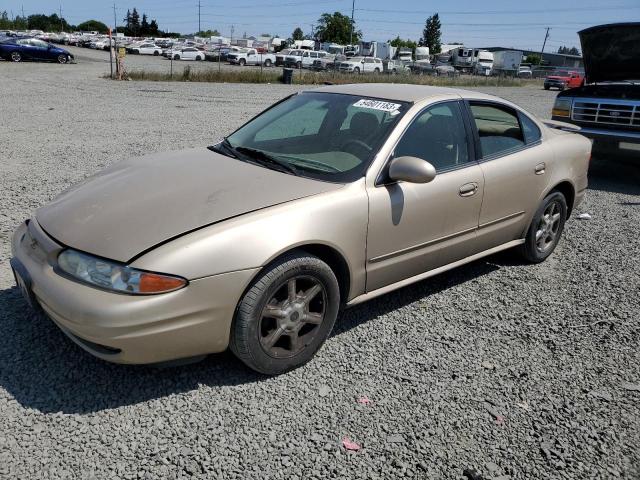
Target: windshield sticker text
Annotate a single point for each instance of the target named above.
(378, 105)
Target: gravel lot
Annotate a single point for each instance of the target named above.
(515, 371)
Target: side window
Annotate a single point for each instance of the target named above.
(304, 120)
(530, 129)
(498, 128)
(438, 136)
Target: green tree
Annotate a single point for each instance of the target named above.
(533, 59)
(127, 20)
(134, 26)
(153, 28)
(399, 43)
(144, 25)
(92, 25)
(432, 34)
(337, 28)
(208, 33)
(297, 34)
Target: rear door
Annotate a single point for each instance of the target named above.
(515, 164)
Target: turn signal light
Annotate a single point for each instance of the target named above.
(153, 283)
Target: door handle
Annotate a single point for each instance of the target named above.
(540, 168)
(468, 189)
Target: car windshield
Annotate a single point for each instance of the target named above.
(327, 136)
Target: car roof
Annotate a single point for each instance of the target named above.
(404, 92)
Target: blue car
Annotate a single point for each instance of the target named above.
(17, 49)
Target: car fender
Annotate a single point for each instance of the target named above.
(337, 219)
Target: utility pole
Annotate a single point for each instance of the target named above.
(231, 41)
(25, 18)
(115, 38)
(61, 26)
(546, 35)
(353, 8)
(199, 27)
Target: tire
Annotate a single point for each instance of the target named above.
(376, 71)
(198, 58)
(267, 62)
(298, 65)
(356, 70)
(273, 344)
(136, 52)
(544, 232)
(62, 59)
(15, 56)
(156, 53)
(547, 87)
(176, 57)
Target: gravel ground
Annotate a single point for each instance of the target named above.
(512, 370)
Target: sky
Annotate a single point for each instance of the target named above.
(489, 23)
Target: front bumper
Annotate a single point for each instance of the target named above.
(596, 132)
(193, 321)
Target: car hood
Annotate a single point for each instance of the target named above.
(138, 204)
(557, 77)
(611, 52)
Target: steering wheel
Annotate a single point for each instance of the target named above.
(357, 142)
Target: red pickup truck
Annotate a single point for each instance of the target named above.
(564, 79)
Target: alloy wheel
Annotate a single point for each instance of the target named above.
(548, 227)
(291, 317)
(16, 57)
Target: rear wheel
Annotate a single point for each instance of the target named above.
(356, 70)
(286, 315)
(267, 62)
(547, 87)
(298, 65)
(16, 57)
(156, 53)
(198, 58)
(546, 228)
(376, 70)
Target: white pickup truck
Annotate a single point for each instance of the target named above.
(250, 56)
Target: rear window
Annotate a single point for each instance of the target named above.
(498, 128)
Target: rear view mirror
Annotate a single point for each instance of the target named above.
(411, 169)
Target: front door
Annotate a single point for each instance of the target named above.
(414, 227)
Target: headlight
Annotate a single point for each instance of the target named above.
(116, 276)
(562, 107)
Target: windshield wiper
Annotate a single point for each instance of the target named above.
(266, 159)
(225, 148)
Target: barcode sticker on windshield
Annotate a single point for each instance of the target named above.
(378, 105)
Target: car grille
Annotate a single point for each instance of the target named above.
(606, 112)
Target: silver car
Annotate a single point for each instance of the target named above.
(327, 199)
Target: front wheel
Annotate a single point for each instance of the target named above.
(156, 53)
(16, 57)
(546, 228)
(298, 65)
(547, 87)
(286, 315)
(176, 57)
(63, 59)
(267, 63)
(356, 70)
(242, 62)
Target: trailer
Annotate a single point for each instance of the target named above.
(506, 63)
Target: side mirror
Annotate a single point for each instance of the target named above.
(411, 169)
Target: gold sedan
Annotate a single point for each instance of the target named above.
(327, 199)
